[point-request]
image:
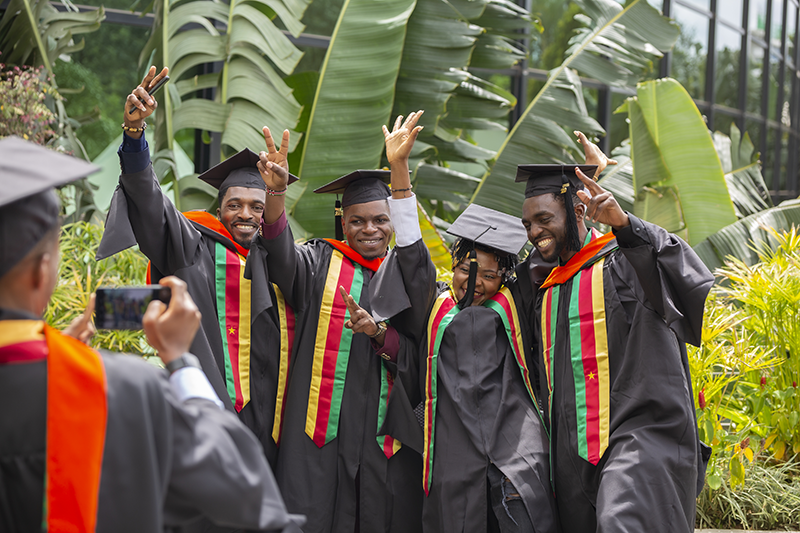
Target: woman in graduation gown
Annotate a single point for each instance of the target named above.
(332, 465)
(485, 450)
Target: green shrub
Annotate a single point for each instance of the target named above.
(80, 275)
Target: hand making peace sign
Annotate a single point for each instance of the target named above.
(601, 206)
(274, 164)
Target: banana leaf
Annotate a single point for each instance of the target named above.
(742, 238)
(353, 100)
(616, 45)
(742, 170)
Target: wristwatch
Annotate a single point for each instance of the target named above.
(381, 329)
(186, 359)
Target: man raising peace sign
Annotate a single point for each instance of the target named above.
(239, 344)
(613, 318)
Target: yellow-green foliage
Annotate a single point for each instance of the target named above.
(745, 378)
(80, 275)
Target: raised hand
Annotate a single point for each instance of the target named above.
(170, 330)
(142, 109)
(81, 327)
(360, 321)
(601, 206)
(274, 164)
(594, 155)
(401, 139)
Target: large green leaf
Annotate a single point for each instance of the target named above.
(617, 45)
(34, 32)
(678, 176)
(353, 100)
(250, 93)
(742, 172)
(742, 238)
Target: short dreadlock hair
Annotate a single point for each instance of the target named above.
(505, 262)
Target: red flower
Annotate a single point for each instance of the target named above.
(763, 381)
(701, 398)
(794, 384)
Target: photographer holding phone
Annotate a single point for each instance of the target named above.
(246, 333)
(107, 442)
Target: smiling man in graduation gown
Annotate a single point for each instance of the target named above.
(614, 317)
(92, 442)
(247, 330)
(332, 463)
(485, 449)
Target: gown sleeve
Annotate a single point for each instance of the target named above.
(218, 469)
(141, 214)
(291, 266)
(672, 276)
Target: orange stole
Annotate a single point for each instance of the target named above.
(76, 431)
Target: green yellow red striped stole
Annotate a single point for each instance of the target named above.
(444, 310)
(332, 349)
(286, 321)
(504, 305)
(76, 432)
(388, 444)
(588, 352)
(233, 312)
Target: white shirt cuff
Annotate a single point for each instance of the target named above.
(405, 220)
(191, 382)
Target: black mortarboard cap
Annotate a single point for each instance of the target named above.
(557, 179)
(29, 206)
(490, 228)
(359, 187)
(239, 170)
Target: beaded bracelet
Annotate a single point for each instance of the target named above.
(276, 193)
(401, 190)
(129, 129)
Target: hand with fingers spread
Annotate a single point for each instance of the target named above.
(274, 164)
(594, 155)
(360, 320)
(601, 206)
(142, 110)
(81, 328)
(170, 330)
(401, 139)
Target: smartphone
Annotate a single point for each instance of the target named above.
(123, 307)
(152, 90)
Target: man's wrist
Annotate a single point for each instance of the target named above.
(184, 360)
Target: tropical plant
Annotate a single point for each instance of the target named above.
(249, 93)
(616, 45)
(80, 275)
(23, 111)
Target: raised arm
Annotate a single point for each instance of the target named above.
(673, 278)
(139, 208)
(404, 287)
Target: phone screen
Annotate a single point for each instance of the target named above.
(123, 307)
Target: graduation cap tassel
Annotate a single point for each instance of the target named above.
(337, 211)
(573, 238)
(469, 296)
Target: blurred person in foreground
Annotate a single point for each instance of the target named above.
(92, 442)
(613, 318)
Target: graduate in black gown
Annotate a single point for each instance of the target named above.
(247, 330)
(485, 449)
(613, 319)
(333, 465)
(106, 443)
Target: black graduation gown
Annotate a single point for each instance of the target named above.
(349, 479)
(484, 412)
(164, 462)
(655, 288)
(141, 213)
